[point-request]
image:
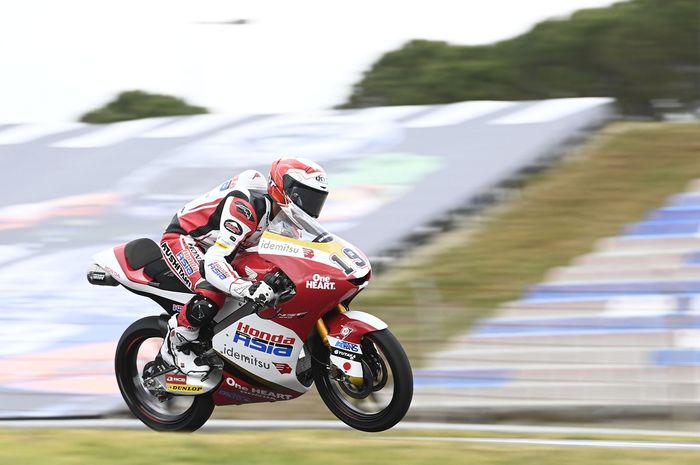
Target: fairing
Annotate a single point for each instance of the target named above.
(261, 356)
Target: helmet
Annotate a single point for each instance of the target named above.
(300, 181)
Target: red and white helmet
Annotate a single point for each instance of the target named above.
(299, 181)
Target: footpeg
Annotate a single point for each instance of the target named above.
(211, 358)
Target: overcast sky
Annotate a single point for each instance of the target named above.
(61, 58)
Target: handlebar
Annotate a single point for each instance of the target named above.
(283, 290)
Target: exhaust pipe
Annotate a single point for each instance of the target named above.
(98, 276)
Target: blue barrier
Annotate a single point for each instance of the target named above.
(674, 213)
(672, 357)
(662, 228)
(612, 289)
(585, 325)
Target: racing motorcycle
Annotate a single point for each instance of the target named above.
(263, 352)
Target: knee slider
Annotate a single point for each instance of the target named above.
(200, 310)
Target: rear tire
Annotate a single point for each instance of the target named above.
(345, 408)
(142, 404)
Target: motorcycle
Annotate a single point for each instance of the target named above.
(273, 352)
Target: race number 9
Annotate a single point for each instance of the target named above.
(352, 255)
(356, 259)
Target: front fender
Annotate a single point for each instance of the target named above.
(356, 325)
(345, 333)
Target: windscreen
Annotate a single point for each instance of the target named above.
(295, 223)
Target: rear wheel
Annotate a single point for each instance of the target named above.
(138, 346)
(382, 398)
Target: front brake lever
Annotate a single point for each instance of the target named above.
(271, 305)
(274, 280)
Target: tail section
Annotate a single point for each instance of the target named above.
(139, 267)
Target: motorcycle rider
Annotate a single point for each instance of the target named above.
(205, 235)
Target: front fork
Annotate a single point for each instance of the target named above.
(323, 329)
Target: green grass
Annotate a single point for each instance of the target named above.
(95, 447)
(622, 173)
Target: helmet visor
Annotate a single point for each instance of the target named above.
(307, 198)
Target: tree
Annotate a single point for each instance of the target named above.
(636, 51)
(136, 104)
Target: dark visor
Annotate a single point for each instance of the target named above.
(307, 198)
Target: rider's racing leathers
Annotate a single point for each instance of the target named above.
(200, 242)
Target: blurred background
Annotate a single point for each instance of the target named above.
(523, 177)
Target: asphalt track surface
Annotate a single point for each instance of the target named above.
(248, 425)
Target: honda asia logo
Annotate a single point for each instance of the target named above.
(185, 264)
(275, 344)
(320, 282)
(218, 271)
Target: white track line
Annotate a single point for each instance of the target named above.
(192, 126)
(110, 134)
(554, 442)
(455, 113)
(550, 110)
(29, 132)
(334, 424)
(389, 113)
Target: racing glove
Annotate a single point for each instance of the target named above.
(260, 292)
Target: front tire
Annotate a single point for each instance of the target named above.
(391, 392)
(178, 413)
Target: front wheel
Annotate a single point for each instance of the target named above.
(385, 395)
(138, 346)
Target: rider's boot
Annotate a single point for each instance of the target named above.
(178, 349)
(182, 337)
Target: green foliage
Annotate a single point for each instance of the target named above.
(136, 104)
(636, 51)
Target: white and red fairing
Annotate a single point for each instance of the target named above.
(297, 320)
(324, 274)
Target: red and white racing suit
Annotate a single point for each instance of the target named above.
(203, 237)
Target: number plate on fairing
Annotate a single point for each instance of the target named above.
(346, 356)
(337, 253)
